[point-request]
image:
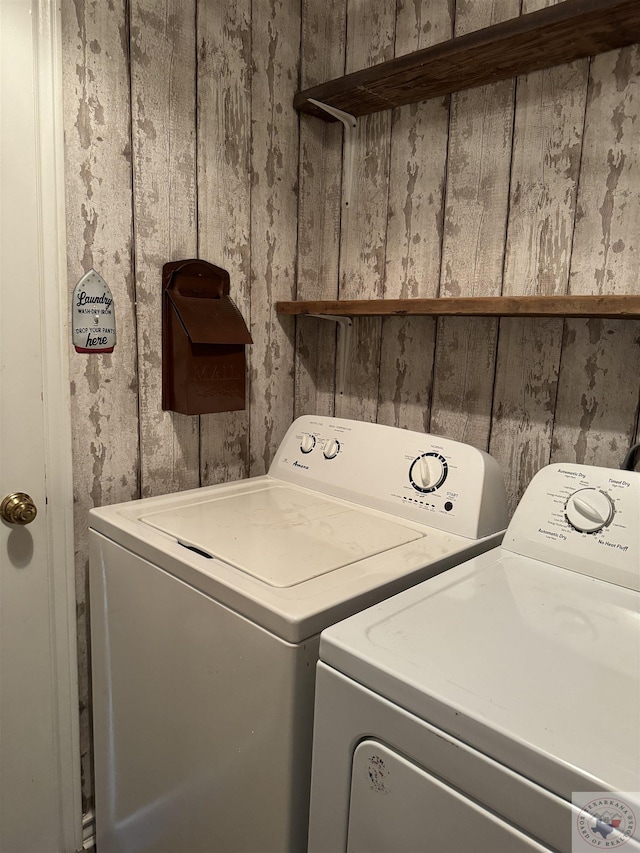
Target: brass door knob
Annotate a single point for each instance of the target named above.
(18, 508)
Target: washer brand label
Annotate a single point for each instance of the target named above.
(297, 464)
(605, 821)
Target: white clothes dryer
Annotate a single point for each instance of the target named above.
(495, 708)
(206, 610)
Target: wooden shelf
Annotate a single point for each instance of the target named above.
(612, 307)
(569, 30)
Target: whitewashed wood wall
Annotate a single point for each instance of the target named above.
(522, 187)
(181, 141)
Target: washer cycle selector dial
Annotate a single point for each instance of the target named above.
(331, 448)
(307, 442)
(428, 471)
(589, 510)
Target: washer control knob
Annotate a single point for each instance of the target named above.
(428, 471)
(331, 448)
(589, 510)
(307, 443)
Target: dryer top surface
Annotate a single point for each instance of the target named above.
(537, 666)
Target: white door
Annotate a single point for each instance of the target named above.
(39, 776)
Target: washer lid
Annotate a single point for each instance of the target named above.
(533, 665)
(280, 535)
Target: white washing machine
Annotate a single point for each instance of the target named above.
(206, 610)
(461, 715)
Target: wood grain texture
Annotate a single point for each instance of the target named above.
(164, 192)
(598, 398)
(539, 255)
(414, 227)
(547, 146)
(613, 307)
(224, 198)
(478, 168)
(546, 160)
(525, 398)
(598, 392)
(319, 209)
(275, 58)
(463, 380)
(608, 218)
(406, 366)
(539, 39)
(370, 38)
(418, 167)
(104, 388)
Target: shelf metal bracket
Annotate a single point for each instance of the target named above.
(350, 132)
(344, 341)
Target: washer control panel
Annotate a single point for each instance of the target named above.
(425, 478)
(582, 518)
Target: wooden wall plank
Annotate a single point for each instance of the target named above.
(275, 60)
(370, 36)
(597, 406)
(163, 137)
(478, 168)
(547, 143)
(598, 398)
(414, 227)
(104, 388)
(546, 157)
(224, 198)
(606, 239)
(406, 366)
(319, 208)
(418, 164)
(525, 398)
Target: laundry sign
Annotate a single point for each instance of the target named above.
(93, 319)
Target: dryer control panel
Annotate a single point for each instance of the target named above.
(582, 518)
(425, 478)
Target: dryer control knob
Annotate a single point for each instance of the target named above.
(331, 448)
(307, 443)
(589, 510)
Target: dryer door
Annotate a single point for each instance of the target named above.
(398, 807)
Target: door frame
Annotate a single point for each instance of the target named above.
(55, 325)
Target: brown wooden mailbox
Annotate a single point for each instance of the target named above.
(203, 340)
